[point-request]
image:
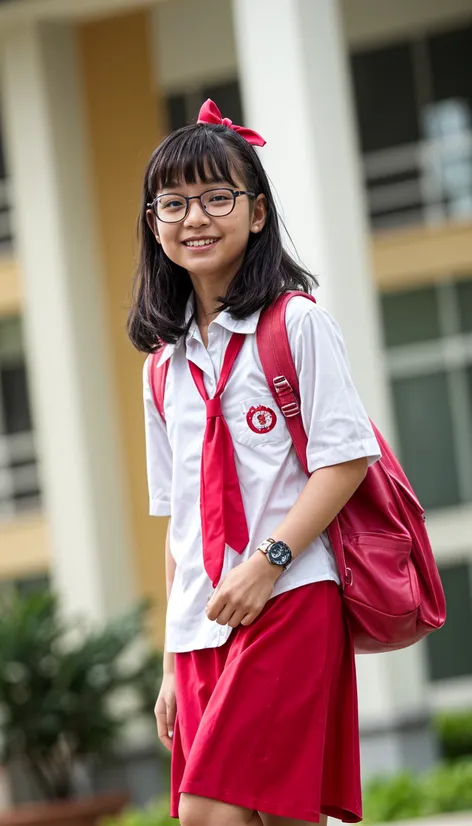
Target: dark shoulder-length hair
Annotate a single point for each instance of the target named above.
(206, 153)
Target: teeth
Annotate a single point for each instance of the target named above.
(204, 243)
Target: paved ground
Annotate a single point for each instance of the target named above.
(464, 819)
(442, 820)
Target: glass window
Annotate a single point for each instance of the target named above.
(183, 108)
(25, 587)
(449, 169)
(469, 386)
(424, 421)
(227, 97)
(11, 338)
(5, 218)
(384, 90)
(19, 485)
(32, 585)
(464, 300)
(2, 155)
(410, 316)
(177, 111)
(451, 65)
(448, 656)
(14, 392)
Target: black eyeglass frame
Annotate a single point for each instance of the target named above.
(234, 192)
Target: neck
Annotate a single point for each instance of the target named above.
(207, 292)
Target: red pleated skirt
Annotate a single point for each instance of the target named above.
(269, 721)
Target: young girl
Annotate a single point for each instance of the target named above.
(258, 701)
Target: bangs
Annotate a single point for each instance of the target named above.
(192, 155)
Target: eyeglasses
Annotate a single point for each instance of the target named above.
(218, 202)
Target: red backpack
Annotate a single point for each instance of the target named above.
(389, 578)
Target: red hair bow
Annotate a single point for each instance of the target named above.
(209, 113)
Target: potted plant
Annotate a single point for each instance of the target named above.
(59, 686)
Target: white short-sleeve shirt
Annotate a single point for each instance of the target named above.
(270, 476)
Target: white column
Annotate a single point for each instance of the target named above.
(295, 86)
(296, 93)
(71, 385)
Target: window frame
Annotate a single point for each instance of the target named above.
(451, 353)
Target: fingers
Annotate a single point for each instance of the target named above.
(249, 618)
(225, 615)
(215, 605)
(228, 614)
(171, 713)
(165, 721)
(235, 619)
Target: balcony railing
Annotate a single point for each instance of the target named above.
(19, 485)
(423, 183)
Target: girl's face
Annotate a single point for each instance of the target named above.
(225, 237)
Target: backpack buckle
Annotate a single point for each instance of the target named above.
(282, 385)
(284, 388)
(289, 410)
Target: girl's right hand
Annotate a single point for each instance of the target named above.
(165, 710)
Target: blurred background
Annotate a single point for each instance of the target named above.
(367, 109)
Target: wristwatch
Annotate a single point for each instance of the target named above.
(278, 553)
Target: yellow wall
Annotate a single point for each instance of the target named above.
(124, 125)
(10, 288)
(24, 547)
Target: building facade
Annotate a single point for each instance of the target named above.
(367, 108)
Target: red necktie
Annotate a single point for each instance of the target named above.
(221, 504)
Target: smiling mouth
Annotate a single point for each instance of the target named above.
(203, 242)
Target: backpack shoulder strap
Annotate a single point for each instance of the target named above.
(157, 382)
(281, 376)
(279, 369)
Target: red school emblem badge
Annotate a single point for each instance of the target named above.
(261, 419)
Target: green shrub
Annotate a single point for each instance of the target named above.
(448, 788)
(155, 815)
(454, 730)
(445, 788)
(393, 798)
(59, 683)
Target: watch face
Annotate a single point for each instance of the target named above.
(279, 554)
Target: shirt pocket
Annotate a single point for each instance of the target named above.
(258, 421)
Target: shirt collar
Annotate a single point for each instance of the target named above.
(246, 326)
(169, 349)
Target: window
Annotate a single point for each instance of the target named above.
(384, 89)
(428, 336)
(411, 317)
(5, 221)
(464, 295)
(449, 650)
(19, 486)
(183, 108)
(424, 421)
(414, 113)
(451, 66)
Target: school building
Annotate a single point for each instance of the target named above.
(367, 109)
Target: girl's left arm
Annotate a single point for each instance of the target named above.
(241, 596)
(323, 497)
